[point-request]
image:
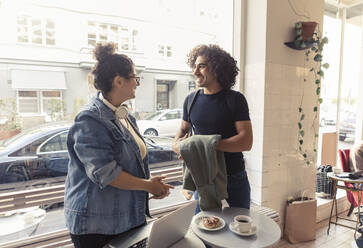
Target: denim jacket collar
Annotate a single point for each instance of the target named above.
(104, 110)
(108, 114)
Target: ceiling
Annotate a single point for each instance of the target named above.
(354, 9)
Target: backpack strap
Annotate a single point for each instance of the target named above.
(191, 100)
(231, 96)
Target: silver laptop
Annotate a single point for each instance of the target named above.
(161, 233)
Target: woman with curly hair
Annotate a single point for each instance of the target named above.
(108, 185)
(211, 113)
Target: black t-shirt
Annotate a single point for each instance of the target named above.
(211, 114)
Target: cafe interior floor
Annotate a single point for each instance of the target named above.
(339, 236)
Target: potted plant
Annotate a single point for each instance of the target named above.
(313, 43)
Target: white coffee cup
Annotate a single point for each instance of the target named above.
(29, 218)
(337, 170)
(243, 222)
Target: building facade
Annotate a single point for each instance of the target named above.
(46, 52)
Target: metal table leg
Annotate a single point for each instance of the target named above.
(358, 216)
(334, 202)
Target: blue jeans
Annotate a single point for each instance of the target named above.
(239, 191)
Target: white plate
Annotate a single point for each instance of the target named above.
(27, 210)
(233, 228)
(7, 213)
(199, 222)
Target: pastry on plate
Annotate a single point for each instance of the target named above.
(211, 222)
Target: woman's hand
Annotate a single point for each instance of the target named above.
(158, 188)
(154, 185)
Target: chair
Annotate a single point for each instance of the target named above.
(351, 196)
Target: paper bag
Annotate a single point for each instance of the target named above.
(300, 220)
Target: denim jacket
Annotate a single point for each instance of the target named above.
(99, 149)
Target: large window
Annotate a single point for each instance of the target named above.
(350, 72)
(39, 102)
(58, 37)
(28, 101)
(165, 50)
(125, 37)
(33, 30)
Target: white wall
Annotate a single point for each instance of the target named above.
(359, 135)
(274, 87)
(254, 89)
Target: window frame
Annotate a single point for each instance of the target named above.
(165, 48)
(124, 32)
(159, 105)
(29, 32)
(137, 49)
(39, 152)
(40, 101)
(19, 98)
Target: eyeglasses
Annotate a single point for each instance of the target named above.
(136, 78)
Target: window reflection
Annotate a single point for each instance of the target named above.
(58, 38)
(329, 111)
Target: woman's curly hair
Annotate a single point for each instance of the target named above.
(219, 61)
(109, 65)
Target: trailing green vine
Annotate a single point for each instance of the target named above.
(314, 45)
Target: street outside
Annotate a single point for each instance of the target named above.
(346, 144)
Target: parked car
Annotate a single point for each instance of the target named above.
(161, 123)
(42, 153)
(347, 126)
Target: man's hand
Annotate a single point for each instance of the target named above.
(176, 145)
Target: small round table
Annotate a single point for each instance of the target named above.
(17, 222)
(343, 177)
(190, 240)
(268, 232)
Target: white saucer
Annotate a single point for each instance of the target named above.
(233, 228)
(199, 222)
(7, 213)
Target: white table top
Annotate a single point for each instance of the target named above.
(19, 221)
(190, 240)
(333, 176)
(268, 232)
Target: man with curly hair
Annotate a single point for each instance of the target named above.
(215, 71)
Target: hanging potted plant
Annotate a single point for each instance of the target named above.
(313, 42)
(304, 36)
(307, 29)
